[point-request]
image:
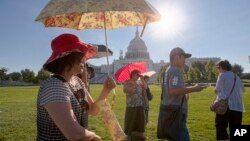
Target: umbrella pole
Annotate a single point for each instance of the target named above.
(106, 40)
(144, 27)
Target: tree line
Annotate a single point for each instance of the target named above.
(202, 72)
(25, 75)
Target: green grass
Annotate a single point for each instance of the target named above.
(18, 114)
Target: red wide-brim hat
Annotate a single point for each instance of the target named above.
(65, 44)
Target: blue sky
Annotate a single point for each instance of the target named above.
(204, 28)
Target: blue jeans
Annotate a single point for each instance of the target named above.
(185, 133)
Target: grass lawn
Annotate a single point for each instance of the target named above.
(18, 113)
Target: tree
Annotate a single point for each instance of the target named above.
(216, 72)
(211, 71)
(191, 74)
(185, 72)
(197, 75)
(3, 73)
(161, 72)
(245, 76)
(200, 69)
(42, 75)
(28, 75)
(238, 69)
(16, 76)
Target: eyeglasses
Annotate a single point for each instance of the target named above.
(138, 75)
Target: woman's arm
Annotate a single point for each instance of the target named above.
(144, 83)
(63, 116)
(108, 85)
(186, 90)
(219, 84)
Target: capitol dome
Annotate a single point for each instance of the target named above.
(136, 52)
(137, 48)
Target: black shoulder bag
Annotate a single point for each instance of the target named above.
(149, 94)
(170, 120)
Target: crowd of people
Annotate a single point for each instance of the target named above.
(64, 100)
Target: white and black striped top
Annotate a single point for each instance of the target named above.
(54, 90)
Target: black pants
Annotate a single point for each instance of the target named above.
(230, 118)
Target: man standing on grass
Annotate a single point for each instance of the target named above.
(174, 91)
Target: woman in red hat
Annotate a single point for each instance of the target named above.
(63, 102)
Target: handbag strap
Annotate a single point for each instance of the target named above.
(232, 87)
(168, 89)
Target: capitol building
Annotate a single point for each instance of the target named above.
(136, 52)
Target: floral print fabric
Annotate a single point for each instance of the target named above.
(111, 121)
(91, 14)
